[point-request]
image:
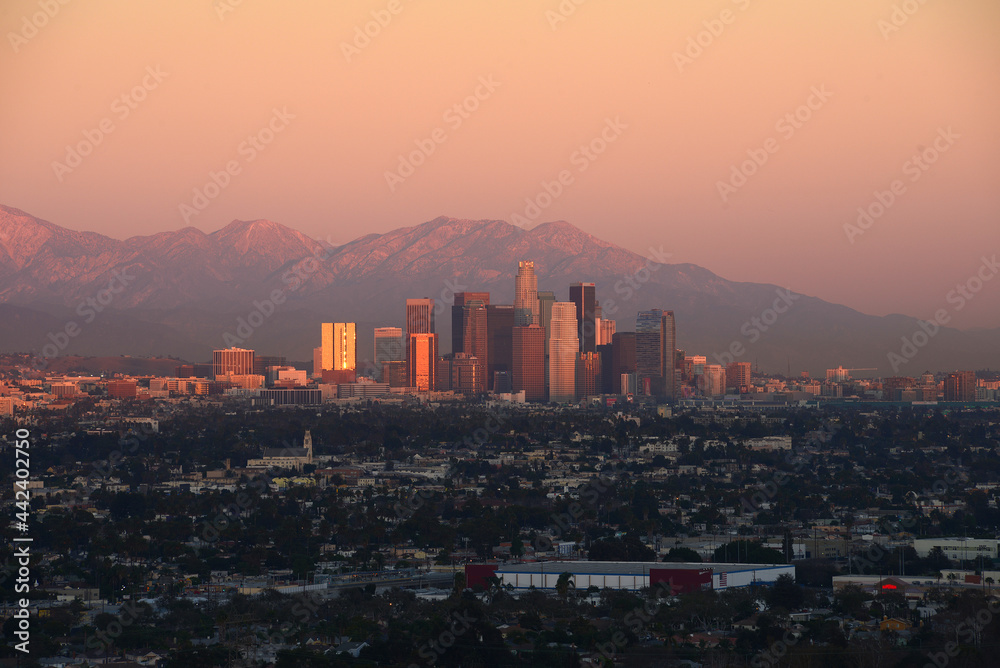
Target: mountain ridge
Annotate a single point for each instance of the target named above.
(195, 287)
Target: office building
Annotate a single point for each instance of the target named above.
(649, 352)
(623, 352)
(395, 373)
(420, 316)
(588, 375)
(671, 370)
(583, 296)
(605, 332)
(499, 353)
(528, 353)
(607, 384)
(564, 345)
(468, 324)
(262, 362)
(422, 361)
(526, 295)
(960, 386)
(468, 374)
(232, 362)
(339, 343)
(738, 376)
(389, 347)
(712, 381)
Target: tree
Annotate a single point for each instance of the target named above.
(682, 554)
(516, 547)
(564, 584)
(785, 594)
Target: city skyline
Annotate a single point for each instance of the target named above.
(855, 115)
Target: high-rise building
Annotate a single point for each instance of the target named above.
(738, 376)
(122, 389)
(960, 386)
(526, 295)
(388, 348)
(607, 383)
(395, 373)
(262, 362)
(467, 374)
(694, 366)
(499, 353)
(528, 353)
(232, 362)
(422, 361)
(713, 380)
(649, 352)
(420, 316)
(671, 371)
(605, 332)
(588, 374)
(583, 296)
(442, 374)
(317, 362)
(623, 353)
(546, 298)
(468, 324)
(564, 344)
(340, 345)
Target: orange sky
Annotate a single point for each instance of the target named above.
(674, 122)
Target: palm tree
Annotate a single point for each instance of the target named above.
(564, 584)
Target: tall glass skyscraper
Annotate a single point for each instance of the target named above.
(526, 295)
(564, 348)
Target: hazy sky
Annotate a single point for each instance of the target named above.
(669, 95)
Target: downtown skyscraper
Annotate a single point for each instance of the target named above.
(419, 316)
(655, 359)
(468, 325)
(583, 296)
(526, 295)
(339, 344)
(564, 349)
(389, 347)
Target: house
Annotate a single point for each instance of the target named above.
(894, 624)
(352, 648)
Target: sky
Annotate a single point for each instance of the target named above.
(846, 149)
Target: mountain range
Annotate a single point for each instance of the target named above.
(265, 286)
